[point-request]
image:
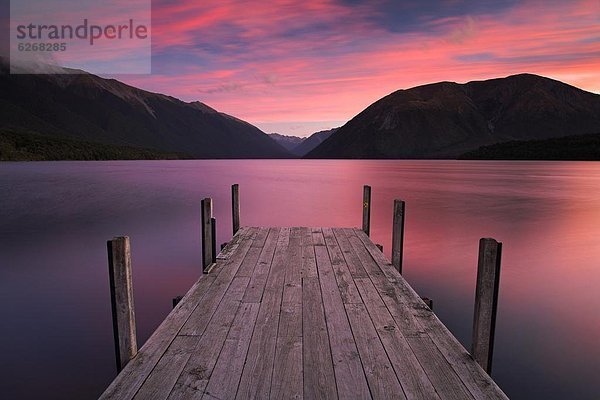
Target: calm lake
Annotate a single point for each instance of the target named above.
(56, 339)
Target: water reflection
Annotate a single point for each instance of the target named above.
(56, 218)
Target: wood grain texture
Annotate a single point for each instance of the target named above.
(409, 371)
(406, 303)
(343, 277)
(302, 313)
(121, 294)
(366, 207)
(227, 372)
(319, 378)
(127, 383)
(354, 265)
(258, 370)
(206, 229)
(287, 381)
(398, 234)
(379, 372)
(258, 279)
(349, 373)
(235, 207)
(486, 302)
(194, 378)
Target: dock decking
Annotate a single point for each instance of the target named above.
(292, 313)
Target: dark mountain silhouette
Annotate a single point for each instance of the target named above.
(89, 108)
(444, 120)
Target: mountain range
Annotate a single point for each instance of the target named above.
(440, 120)
(445, 120)
(82, 106)
(300, 146)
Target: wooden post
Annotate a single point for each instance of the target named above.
(486, 302)
(398, 234)
(235, 207)
(176, 300)
(121, 296)
(428, 302)
(366, 225)
(207, 240)
(213, 234)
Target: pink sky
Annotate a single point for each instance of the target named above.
(295, 67)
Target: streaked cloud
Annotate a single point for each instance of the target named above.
(283, 62)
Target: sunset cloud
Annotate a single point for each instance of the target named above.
(283, 62)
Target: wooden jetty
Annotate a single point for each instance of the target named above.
(304, 313)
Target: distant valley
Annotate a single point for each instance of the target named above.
(300, 146)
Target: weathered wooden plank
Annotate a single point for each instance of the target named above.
(349, 374)
(354, 265)
(259, 277)
(317, 237)
(414, 381)
(261, 237)
(250, 262)
(389, 292)
(383, 382)
(232, 246)
(258, 370)
(163, 377)
(287, 381)
(199, 319)
(293, 342)
(403, 298)
(193, 379)
(121, 295)
(127, 383)
(439, 371)
(486, 302)
(293, 273)
(309, 265)
(227, 372)
(287, 373)
(343, 277)
(251, 258)
(319, 378)
(290, 319)
(472, 375)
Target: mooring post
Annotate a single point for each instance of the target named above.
(366, 225)
(398, 234)
(235, 207)
(486, 302)
(207, 230)
(121, 296)
(213, 234)
(428, 302)
(176, 300)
